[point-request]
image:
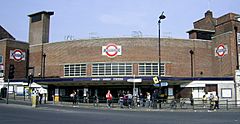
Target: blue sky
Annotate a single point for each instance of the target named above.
(108, 18)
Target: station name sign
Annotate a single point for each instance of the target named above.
(107, 79)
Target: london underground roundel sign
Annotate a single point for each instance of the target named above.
(221, 50)
(17, 55)
(111, 50)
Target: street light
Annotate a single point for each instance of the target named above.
(159, 52)
(159, 45)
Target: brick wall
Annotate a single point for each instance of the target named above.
(175, 53)
(20, 66)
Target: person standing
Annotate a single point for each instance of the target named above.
(216, 100)
(211, 99)
(154, 99)
(96, 101)
(40, 97)
(141, 97)
(74, 97)
(148, 100)
(109, 98)
(130, 99)
(121, 96)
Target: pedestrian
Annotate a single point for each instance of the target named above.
(211, 99)
(191, 100)
(148, 101)
(40, 97)
(109, 98)
(204, 100)
(216, 100)
(96, 101)
(141, 97)
(130, 99)
(74, 97)
(154, 99)
(121, 96)
(138, 101)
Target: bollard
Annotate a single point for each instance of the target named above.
(227, 104)
(34, 98)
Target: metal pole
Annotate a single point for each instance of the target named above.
(23, 93)
(159, 52)
(42, 61)
(44, 64)
(134, 90)
(7, 91)
(237, 66)
(14, 92)
(191, 53)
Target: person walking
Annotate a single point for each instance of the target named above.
(109, 98)
(204, 100)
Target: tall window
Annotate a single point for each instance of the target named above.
(1, 59)
(75, 70)
(111, 69)
(150, 69)
(1, 66)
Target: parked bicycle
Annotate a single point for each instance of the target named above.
(173, 104)
(182, 102)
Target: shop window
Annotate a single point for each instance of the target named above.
(150, 69)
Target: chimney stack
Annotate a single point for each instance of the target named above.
(39, 25)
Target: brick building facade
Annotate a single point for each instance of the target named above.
(82, 65)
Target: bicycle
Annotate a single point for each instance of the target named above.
(182, 103)
(173, 104)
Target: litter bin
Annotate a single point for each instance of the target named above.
(4, 92)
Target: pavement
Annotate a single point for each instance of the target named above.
(116, 107)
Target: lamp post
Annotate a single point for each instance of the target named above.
(159, 53)
(191, 55)
(237, 57)
(159, 45)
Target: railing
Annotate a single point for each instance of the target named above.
(183, 103)
(171, 104)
